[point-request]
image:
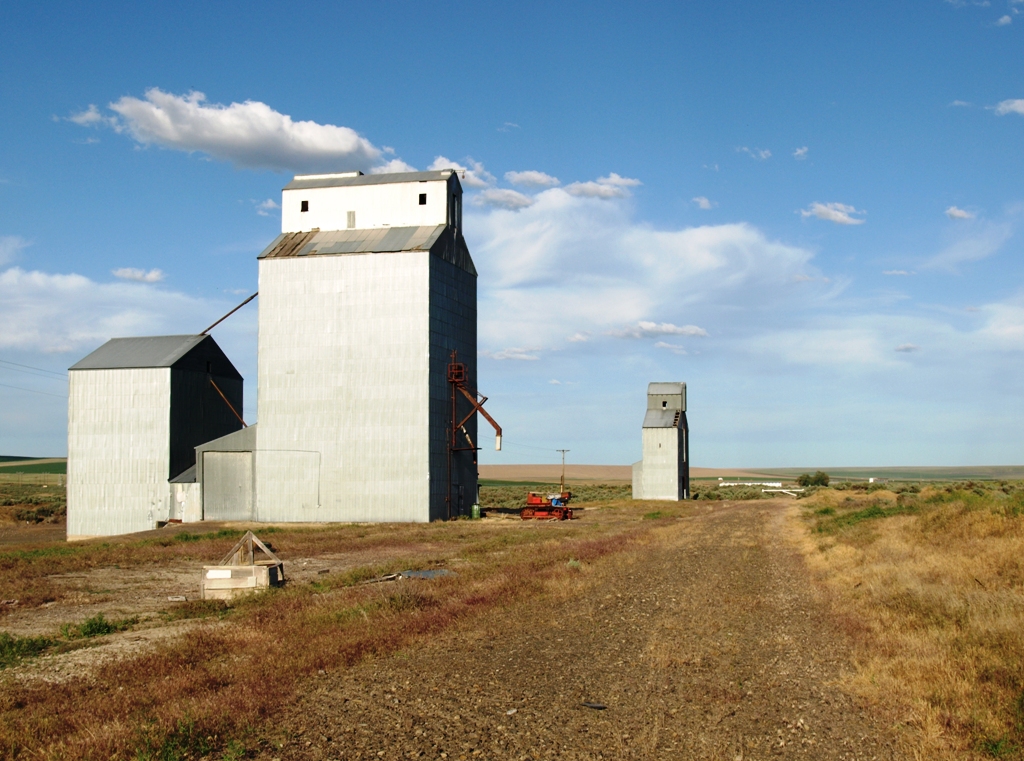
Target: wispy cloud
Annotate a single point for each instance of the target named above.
(508, 127)
(531, 179)
(91, 117)
(960, 104)
(897, 272)
(514, 353)
(473, 173)
(137, 275)
(578, 337)
(956, 213)
(646, 329)
(800, 153)
(703, 203)
(980, 242)
(10, 247)
(760, 154)
(1004, 21)
(907, 348)
(612, 186)
(503, 198)
(674, 348)
(840, 213)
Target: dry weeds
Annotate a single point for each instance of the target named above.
(931, 587)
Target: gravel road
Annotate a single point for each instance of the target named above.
(704, 643)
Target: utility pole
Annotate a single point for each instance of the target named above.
(561, 485)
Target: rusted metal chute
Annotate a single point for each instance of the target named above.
(458, 381)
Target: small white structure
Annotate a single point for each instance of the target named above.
(363, 298)
(137, 408)
(664, 472)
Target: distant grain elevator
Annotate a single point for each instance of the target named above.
(664, 472)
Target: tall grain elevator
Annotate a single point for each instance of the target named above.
(363, 298)
(664, 472)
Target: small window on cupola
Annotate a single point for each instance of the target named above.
(423, 199)
(305, 206)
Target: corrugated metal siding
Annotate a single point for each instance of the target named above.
(227, 486)
(344, 348)
(118, 450)
(452, 326)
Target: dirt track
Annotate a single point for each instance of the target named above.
(705, 643)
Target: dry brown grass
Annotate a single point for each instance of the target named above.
(931, 587)
(185, 698)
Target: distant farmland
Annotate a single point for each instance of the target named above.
(10, 465)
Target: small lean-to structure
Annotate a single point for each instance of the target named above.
(137, 408)
(664, 472)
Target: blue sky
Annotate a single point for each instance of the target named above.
(809, 213)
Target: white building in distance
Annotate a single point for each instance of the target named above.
(363, 297)
(137, 408)
(664, 472)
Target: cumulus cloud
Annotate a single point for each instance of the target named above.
(531, 179)
(1010, 107)
(473, 176)
(703, 203)
(250, 135)
(503, 198)
(612, 186)
(264, 208)
(578, 337)
(955, 213)
(757, 153)
(60, 313)
(907, 348)
(800, 153)
(833, 212)
(390, 167)
(138, 276)
(10, 246)
(647, 329)
(1004, 21)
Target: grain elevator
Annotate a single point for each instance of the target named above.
(664, 471)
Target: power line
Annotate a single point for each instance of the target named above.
(33, 391)
(30, 367)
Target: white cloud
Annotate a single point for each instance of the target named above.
(60, 313)
(508, 127)
(137, 275)
(395, 165)
(555, 382)
(514, 353)
(647, 329)
(1004, 21)
(612, 186)
(578, 266)
(896, 272)
(674, 348)
(10, 246)
(954, 213)
(833, 212)
(264, 208)
(503, 198)
(250, 135)
(531, 179)
(473, 176)
(907, 348)
(800, 153)
(960, 104)
(757, 153)
(703, 203)
(1010, 107)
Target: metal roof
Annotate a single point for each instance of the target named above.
(144, 351)
(666, 389)
(302, 182)
(441, 240)
(663, 418)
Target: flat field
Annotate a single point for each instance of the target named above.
(859, 622)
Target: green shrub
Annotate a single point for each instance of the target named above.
(13, 649)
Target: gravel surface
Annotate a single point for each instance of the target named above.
(707, 642)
